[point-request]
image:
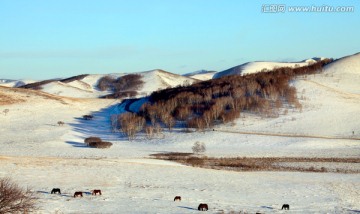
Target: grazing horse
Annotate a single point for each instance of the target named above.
(285, 206)
(60, 123)
(55, 190)
(203, 207)
(177, 198)
(78, 194)
(88, 117)
(96, 191)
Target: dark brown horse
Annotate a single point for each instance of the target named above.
(96, 191)
(55, 190)
(177, 198)
(203, 207)
(285, 206)
(78, 194)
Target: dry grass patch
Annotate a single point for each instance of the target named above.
(8, 100)
(263, 163)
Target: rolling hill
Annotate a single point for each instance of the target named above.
(85, 86)
(253, 67)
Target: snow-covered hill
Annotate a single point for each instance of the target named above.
(14, 83)
(201, 75)
(343, 74)
(159, 79)
(87, 86)
(253, 67)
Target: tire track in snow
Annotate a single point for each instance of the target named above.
(345, 95)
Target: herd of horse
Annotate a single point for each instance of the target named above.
(205, 207)
(201, 207)
(77, 193)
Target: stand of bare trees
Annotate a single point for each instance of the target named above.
(130, 124)
(124, 86)
(14, 199)
(204, 104)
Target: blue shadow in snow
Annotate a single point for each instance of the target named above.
(76, 144)
(189, 208)
(355, 211)
(48, 193)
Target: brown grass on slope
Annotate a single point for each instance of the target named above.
(10, 96)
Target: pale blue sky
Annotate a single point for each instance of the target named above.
(42, 39)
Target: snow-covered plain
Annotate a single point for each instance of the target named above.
(36, 152)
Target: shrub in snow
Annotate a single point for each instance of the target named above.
(89, 140)
(100, 145)
(198, 147)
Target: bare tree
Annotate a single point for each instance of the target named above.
(149, 131)
(198, 147)
(14, 199)
(158, 129)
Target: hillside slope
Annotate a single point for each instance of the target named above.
(343, 74)
(253, 67)
(330, 101)
(159, 79)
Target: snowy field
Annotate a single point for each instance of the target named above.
(36, 152)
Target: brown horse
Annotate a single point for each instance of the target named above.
(96, 191)
(78, 194)
(203, 207)
(60, 123)
(177, 198)
(285, 206)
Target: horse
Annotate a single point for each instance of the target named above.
(60, 123)
(78, 194)
(285, 206)
(177, 198)
(96, 191)
(203, 207)
(55, 190)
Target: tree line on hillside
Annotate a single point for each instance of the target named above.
(38, 85)
(204, 104)
(125, 86)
